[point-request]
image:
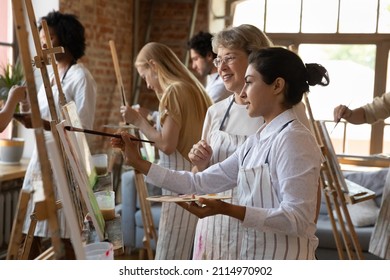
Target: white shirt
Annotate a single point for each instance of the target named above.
(294, 160)
(215, 88)
(237, 115)
(79, 86)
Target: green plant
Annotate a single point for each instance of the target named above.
(10, 75)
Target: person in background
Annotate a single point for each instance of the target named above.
(182, 109)
(79, 86)
(276, 170)
(226, 127)
(202, 57)
(17, 94)
(378, 109)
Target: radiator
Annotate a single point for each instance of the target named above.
(8, 208)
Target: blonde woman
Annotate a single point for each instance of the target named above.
(182, 108)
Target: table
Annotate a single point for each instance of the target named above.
(11, 172)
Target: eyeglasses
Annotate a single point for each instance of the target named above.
(226, 59)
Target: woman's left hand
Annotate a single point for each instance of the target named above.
(204, 207)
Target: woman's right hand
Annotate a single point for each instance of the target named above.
(18, 94)
(340, 112)
(200, 155)
(130, 115)
(130, 149)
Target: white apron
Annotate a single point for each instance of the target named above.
(218, 237)
(176, 229)
(33, 183)
(255, 190)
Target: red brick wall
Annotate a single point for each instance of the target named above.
(106, 20)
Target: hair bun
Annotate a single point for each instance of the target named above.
(316, 74)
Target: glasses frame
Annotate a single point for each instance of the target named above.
(228, 59)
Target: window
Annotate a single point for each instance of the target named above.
(6, 46)
(6, 33)
(351, 39)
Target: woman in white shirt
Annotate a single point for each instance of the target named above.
(226, 127)
(78, 86)
(276, 170)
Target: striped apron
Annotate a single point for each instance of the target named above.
(177, 226)
(218, 237)
(255, 190)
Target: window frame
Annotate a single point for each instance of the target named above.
(380, 40)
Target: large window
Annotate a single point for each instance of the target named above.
(6, 46)
(6, 33)
(351, 38)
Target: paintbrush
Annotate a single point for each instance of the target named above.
(340, 118)
(76, 129)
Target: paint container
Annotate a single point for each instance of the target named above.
(99, 251)
(106, 202)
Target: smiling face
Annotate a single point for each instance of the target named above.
(262, 99)
(233, 72)
(150, 78)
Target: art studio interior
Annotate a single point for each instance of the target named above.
(119, 76)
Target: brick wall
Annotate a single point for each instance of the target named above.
(106, 20)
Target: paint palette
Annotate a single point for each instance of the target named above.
(185, 197)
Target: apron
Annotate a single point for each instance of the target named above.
(33, 183)
(255, 190)
(176, 229)
(218, 237)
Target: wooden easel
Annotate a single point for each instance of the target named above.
(150, 233)
(41, 210)
(49, 206)
(336, 193)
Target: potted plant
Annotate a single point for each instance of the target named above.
(10, 75)
(11, 150)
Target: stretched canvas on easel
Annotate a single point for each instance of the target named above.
(70, 144)
(72, 117)
(66, 198)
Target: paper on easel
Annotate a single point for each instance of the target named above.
(72, 117)
(66, 199)
(71, 149)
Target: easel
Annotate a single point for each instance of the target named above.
(41, 210)
(337, 193)
(150, 233)
(49, 206)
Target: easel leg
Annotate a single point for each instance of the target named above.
(29, 238)
(17, 226)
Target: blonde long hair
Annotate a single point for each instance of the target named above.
(170, 69)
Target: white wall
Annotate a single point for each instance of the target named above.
(41, 8)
